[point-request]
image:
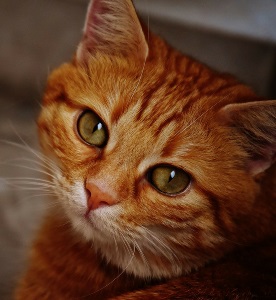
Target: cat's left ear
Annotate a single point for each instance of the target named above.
(255, 123)
(112, 27)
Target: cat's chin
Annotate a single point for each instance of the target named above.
(129, 257)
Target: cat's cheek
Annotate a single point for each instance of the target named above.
(79, 195)
(73, 197)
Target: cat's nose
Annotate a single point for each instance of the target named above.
(96, 197)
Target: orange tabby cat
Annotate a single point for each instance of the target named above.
(162, 171)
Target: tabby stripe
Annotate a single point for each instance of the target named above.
(188, 105)
(155, 88)
(166, 122)
(173, 83)
(182, 64)
(216, 207)
(178, 116)
(149, 93)
(118, 111)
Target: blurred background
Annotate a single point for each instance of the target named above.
(237, 36)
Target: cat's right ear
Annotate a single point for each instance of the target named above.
(113, 28)
(255, 125)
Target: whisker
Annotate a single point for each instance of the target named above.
(200, 116)
(164, 246)
(25, 159)
(141, 254)
(40, 195)
(126, 243)
(30, 189)
(116, 243)
(32, 179)
(29, 184)
(30, 168)
(113, 232)
(143, 69)
(37, 154)
(119, 275)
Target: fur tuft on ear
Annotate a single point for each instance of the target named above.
(255, 123)
(112, 27)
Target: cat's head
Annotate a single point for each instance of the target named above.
(156, 156)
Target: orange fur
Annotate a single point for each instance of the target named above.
(165, 109)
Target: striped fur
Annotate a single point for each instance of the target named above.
(163, 109)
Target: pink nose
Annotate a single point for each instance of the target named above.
(97, 198)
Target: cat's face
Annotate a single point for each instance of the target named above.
(144, 167)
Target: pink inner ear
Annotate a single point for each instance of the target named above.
(112, 28)
(94, 11)
(264, 159)
(92, 20)
(258, 166)
(255, 124)
(261, 163)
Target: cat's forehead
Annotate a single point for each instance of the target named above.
(133, 101)
(143, 105)
(152, 94)
(146, 99)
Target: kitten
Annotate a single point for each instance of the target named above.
(163, 174)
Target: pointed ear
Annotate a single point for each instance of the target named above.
(112, 27)
(255, 123)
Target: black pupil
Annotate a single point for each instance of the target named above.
(99, 126)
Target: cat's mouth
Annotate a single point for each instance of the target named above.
(93, 219)
(86, 215)
(89, 222)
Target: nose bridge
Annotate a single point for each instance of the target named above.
(113, 174)
(124, 156)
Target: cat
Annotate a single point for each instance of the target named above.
(163, 171)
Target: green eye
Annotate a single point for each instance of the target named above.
(169, 180)
(92, 129)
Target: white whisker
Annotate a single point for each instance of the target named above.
(37, 154)
(142, 72)
(126, 243)
(10, 162)
(31, 169)
(199, 117)
(142, 254)
(119, 275)
(165, 249)
(39, 196)
(27, 184)
(32, 179)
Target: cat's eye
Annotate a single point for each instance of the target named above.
(92, 129)
(169, 179)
